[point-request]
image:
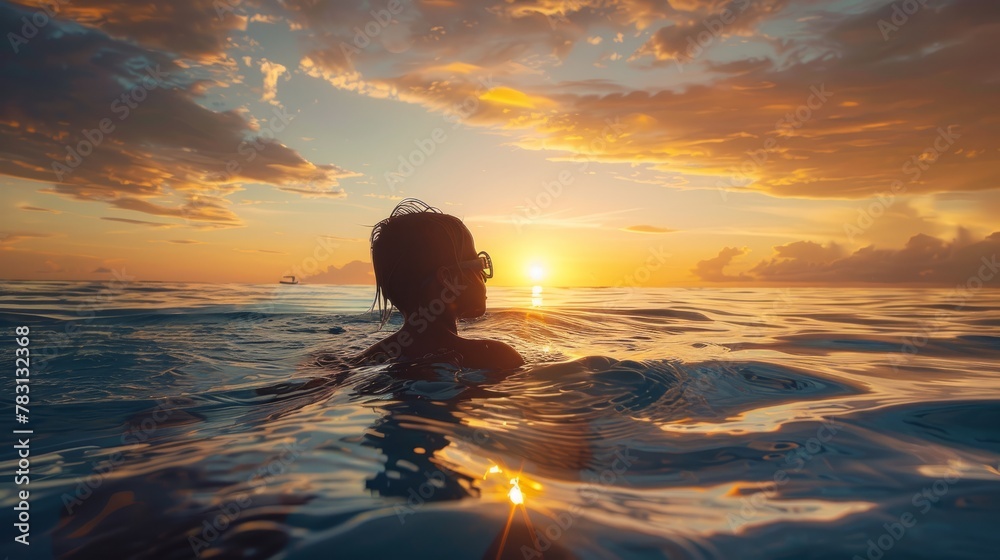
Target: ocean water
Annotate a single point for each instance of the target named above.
(179, 420)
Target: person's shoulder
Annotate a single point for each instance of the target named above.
(499, 354)
(374, 354)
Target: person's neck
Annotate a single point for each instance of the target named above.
(423, 328)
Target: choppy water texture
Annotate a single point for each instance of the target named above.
(180, 419)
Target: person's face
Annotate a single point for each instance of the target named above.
(471, 300)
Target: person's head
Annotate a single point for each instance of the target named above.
(420, 255)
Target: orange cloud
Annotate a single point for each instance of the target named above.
(514, 98)
(647, 229)
(809, 120)
(139, 222)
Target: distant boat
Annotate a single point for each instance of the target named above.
(292, 281)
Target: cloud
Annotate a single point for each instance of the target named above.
(250, 201)
(158, 143)
(202, 208)
(740, 67)
(27, 264)
(717, 126)
(593, 85)
(39, 209)
(478, 32)
(706, 24)
(50, 266)
(272, 71)
(647, 229)
(317, 192)
(178, 241)
(338, 238)
(139, 222)
(807, 118)
(101, 270)
(924, 259)
(897, 224)
(712, 270)
(196, 29)
(269, 251)
(526, 216)
(809, 252)
(9, 238)
(354, 272)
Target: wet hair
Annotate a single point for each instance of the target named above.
(407, 247)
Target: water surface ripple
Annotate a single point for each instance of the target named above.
(174, 420)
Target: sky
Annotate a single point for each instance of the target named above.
(583, 142)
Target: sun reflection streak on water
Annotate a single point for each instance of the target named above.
(536, 296)
(515, 495)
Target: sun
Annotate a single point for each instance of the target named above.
(536, 272)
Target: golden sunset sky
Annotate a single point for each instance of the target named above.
(682, 142)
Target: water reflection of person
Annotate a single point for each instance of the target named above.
(417, 423)
(424, 416)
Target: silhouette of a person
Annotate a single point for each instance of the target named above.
(426, 266)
